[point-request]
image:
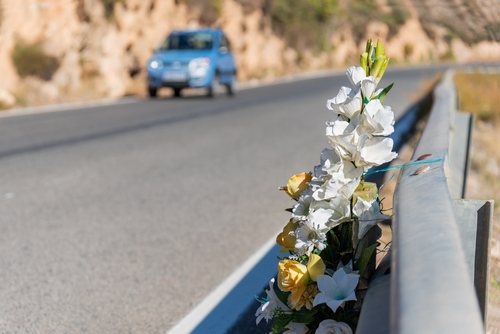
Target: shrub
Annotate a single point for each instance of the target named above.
(31, 59)
(303, 23)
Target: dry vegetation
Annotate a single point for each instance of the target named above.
(480, 93)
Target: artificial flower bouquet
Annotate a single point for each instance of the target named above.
(318, 288)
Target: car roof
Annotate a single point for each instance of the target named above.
(209, 30)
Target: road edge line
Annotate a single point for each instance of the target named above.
(196, 316)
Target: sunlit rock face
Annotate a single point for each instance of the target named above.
(101, 50)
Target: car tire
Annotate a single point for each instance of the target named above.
(177, 92)
(214, 89)
(152, 91)
(232, 87)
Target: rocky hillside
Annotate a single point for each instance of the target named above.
(54, 51)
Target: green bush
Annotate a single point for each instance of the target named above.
(31, 59)
(303, 23)
(307, 23)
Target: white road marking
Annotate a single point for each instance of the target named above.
(193, 319)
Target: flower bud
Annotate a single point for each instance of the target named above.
(376, 66)
(364, 62)
(368, 45)
(382, 70)
(297, 184)
(367, 191)
(379, 50)
(286, 238)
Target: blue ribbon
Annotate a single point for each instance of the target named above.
(416, 162)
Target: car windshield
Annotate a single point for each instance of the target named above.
(188, 41)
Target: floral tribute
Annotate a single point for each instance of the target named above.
(318, 286)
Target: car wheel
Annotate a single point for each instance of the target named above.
(152, 91)
(232, 87)
(214, 89)
(177, 92)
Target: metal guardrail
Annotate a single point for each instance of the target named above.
(439, 258)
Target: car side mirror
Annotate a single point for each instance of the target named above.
(223, 49)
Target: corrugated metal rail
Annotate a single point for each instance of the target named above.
(436, 278)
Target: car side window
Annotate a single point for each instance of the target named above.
(224, 43)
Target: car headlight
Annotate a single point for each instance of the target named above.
(198, 67)
(155, 64)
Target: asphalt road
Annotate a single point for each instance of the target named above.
(122, 218)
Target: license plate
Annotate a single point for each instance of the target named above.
(174, 76)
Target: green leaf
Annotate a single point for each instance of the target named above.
(280, 322)
(304, 315)
(384, 92)
(364, 259)
(283, 296)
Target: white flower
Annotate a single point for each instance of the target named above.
(352, 142)
(301, 210)
(266, 310)
(344, 137)
(368, 86)
(355, 74)
(374, 151)
(331, 326)
(348, 102)
(343, 179)
(296, 328)
(328, 159)
(368, 213)
(348, 268)
(328, 214)
(337, 289)
(378, 119)
(309, 236)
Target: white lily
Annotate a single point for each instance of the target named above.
(330, 326)
(309, 236)
(266, 310)
(336, 289)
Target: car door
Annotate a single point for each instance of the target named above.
(226, 64)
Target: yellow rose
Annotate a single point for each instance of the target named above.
(285, 239)
(315, 266)
(366, 191)
(297, 184)
(292, 277)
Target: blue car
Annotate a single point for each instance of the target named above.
(199, 58)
